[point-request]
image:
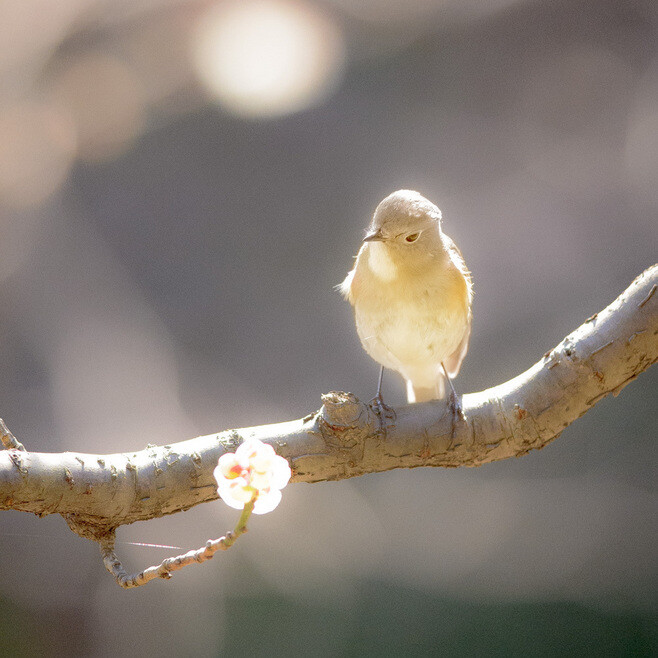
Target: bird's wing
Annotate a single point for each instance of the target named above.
(454, 361)
(459, 262)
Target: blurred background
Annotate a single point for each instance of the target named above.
(182, 183)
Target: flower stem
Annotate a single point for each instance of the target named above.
(244, 517)
(241, 525)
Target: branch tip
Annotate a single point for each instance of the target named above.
(9, 441)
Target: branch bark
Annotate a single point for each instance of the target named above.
(98, 493)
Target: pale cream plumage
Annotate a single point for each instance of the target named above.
(412, 295)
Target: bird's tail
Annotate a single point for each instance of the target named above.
(423, 394)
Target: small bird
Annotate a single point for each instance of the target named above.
(412, 296)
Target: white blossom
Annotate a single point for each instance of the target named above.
(253, 472)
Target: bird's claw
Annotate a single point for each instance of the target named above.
(381, 408)
(455, 406)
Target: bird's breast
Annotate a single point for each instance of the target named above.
(405, 319)
(377, 259)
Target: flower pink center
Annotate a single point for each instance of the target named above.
(237, 470)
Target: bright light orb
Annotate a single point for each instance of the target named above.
(268, 58)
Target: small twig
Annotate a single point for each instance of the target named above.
(9, 441)
(164, 569)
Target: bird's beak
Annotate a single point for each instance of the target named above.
(374, 236)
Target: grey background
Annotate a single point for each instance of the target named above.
(184, 285)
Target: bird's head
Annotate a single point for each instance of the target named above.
(404, 218)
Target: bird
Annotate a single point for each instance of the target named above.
(412, 296)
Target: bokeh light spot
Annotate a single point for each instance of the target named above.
(269, 57)
(37, 147)
(104, 97)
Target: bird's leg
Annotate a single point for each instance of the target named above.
(378, 403)
(453, 399)
(379, 384)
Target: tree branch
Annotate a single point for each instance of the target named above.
(346, 438)
(165, 568)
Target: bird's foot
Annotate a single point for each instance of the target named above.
(455, 406)
(382, 409)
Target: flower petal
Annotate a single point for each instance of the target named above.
(226, 462)
(281, 473)
(231, 502)
(247, 449)
(260, 480)
(240, 490)
(262, 460)
(266, 502)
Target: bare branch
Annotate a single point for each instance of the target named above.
(346, 438)
(165, 568)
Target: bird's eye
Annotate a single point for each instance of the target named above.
(412, 237)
